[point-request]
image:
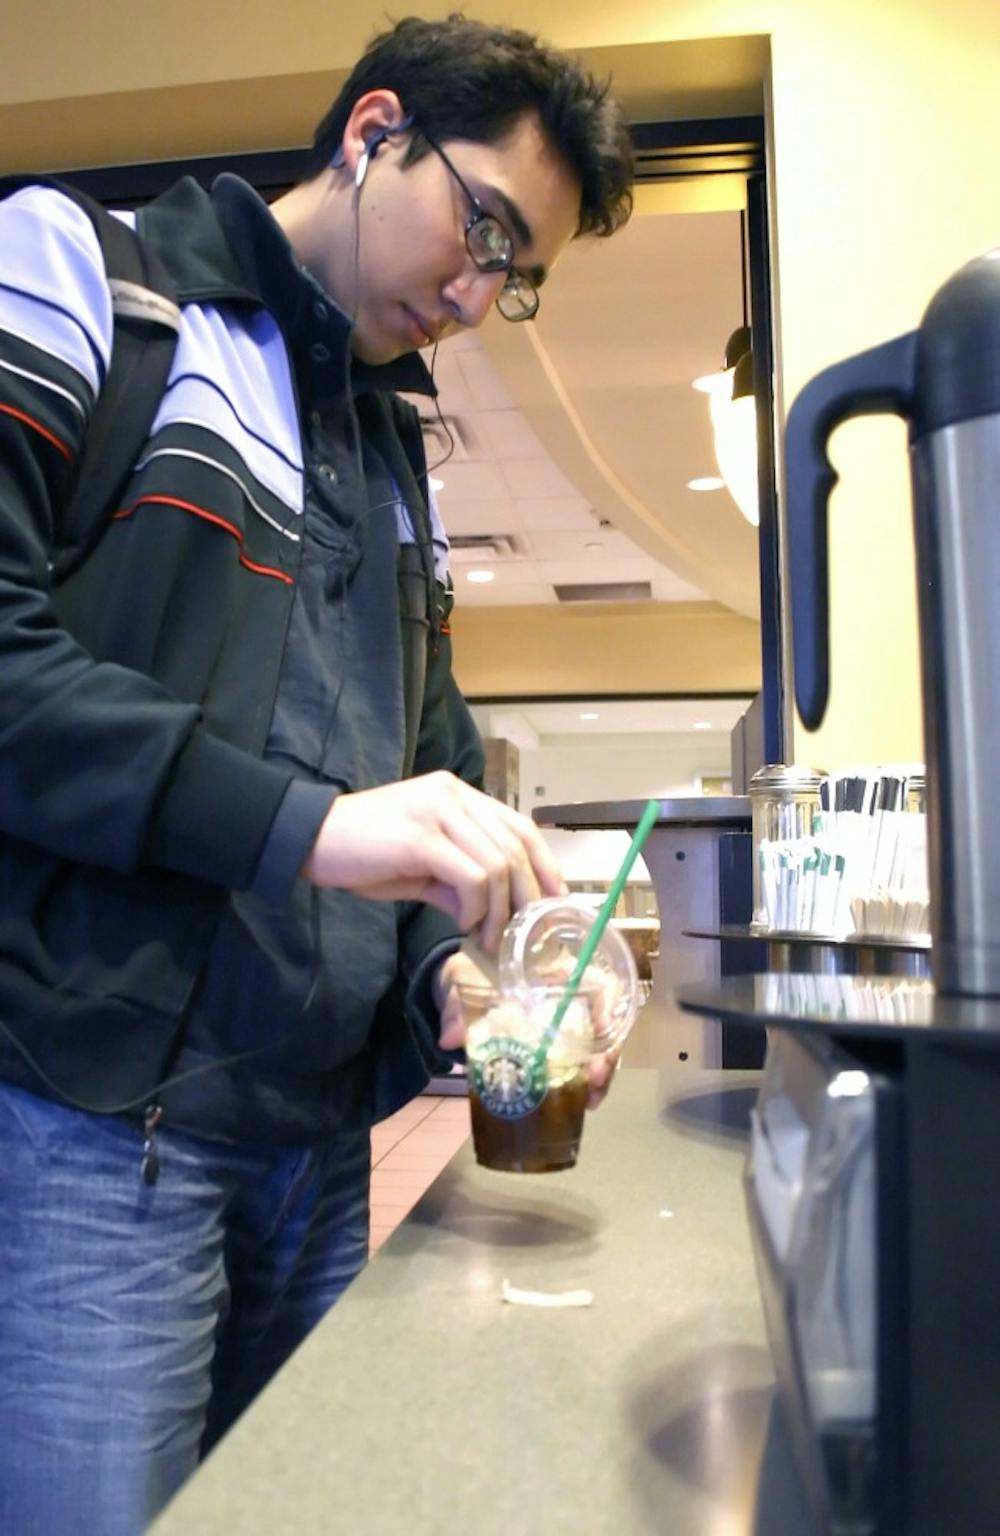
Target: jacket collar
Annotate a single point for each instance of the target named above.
(225, 246)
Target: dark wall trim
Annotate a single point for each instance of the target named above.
(771, 637)
(664, 151)
(716, 146)
(271, 171)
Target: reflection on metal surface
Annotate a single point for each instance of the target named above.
(701, 810)
(704, 1416)
(848, 1085)
(721, 1114)
(874, 1005)
(906, 1001)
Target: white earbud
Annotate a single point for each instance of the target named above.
(371, 149)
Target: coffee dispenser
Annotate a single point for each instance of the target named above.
(944, 380)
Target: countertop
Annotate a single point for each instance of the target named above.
(424, 1403)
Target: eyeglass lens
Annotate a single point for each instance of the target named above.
(518, 299)
(489, 244)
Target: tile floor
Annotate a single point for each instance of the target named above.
(408, 1152)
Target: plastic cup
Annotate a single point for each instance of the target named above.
(529, 1075)
(527, 1111)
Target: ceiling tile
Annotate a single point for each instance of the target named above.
(506, 573)
(479, 516)
(530, 478)
(467, 482)
(576, 570)
(561, 512)
(494, 596)
(484, 384)
(453, 395)
(572, 544)
(462, 341)
(510, 436)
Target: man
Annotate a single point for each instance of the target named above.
(240, 842)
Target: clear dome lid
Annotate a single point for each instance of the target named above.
(541, 946)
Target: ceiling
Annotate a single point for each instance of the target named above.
(529, 724)
(502, 484)
(576, 434)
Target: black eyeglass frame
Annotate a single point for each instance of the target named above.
(517, 288)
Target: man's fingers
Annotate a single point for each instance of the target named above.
(506, 846)
(499, 857)
(600, 1075)
(539, 854)
(435, 839)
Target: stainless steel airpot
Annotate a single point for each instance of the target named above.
(944, 380)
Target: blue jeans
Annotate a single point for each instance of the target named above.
(138, 1321)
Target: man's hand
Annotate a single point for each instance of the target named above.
(602, 1072)
(460, 970)
(435, 839)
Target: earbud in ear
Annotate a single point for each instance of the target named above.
(371, 148)
(369, 152)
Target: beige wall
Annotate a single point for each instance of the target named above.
(605, 648)
(884, 172)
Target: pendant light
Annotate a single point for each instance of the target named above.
(734, 424)
(733, 411)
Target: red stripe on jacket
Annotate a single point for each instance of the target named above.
(209, 517)
(36, 426)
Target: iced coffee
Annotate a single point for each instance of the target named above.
(527, 1101)
(555, 1002)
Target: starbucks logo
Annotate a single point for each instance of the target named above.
(509, 1081)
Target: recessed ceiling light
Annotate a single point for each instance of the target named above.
(436, 484)
(595, 545)
(480, 575)
(590, 714)
(702, 725)
(706, 483)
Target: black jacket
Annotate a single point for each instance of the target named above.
(139, 687)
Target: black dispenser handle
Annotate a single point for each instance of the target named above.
(869, 384)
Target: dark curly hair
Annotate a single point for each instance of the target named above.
(463, 79)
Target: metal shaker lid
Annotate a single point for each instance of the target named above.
(783, 777)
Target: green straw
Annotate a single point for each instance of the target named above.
(593, 938)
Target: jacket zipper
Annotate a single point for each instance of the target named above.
(150, 1165)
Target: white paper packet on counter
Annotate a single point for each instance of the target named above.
(518, 1297)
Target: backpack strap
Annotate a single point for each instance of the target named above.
(410, 471)
(146, 323)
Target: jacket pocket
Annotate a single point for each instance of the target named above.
(83, 931)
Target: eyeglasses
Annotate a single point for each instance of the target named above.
(492, 250)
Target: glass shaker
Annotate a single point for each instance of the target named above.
(916, 793)
(784, 800)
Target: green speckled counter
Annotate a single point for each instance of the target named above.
(424, 1403)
